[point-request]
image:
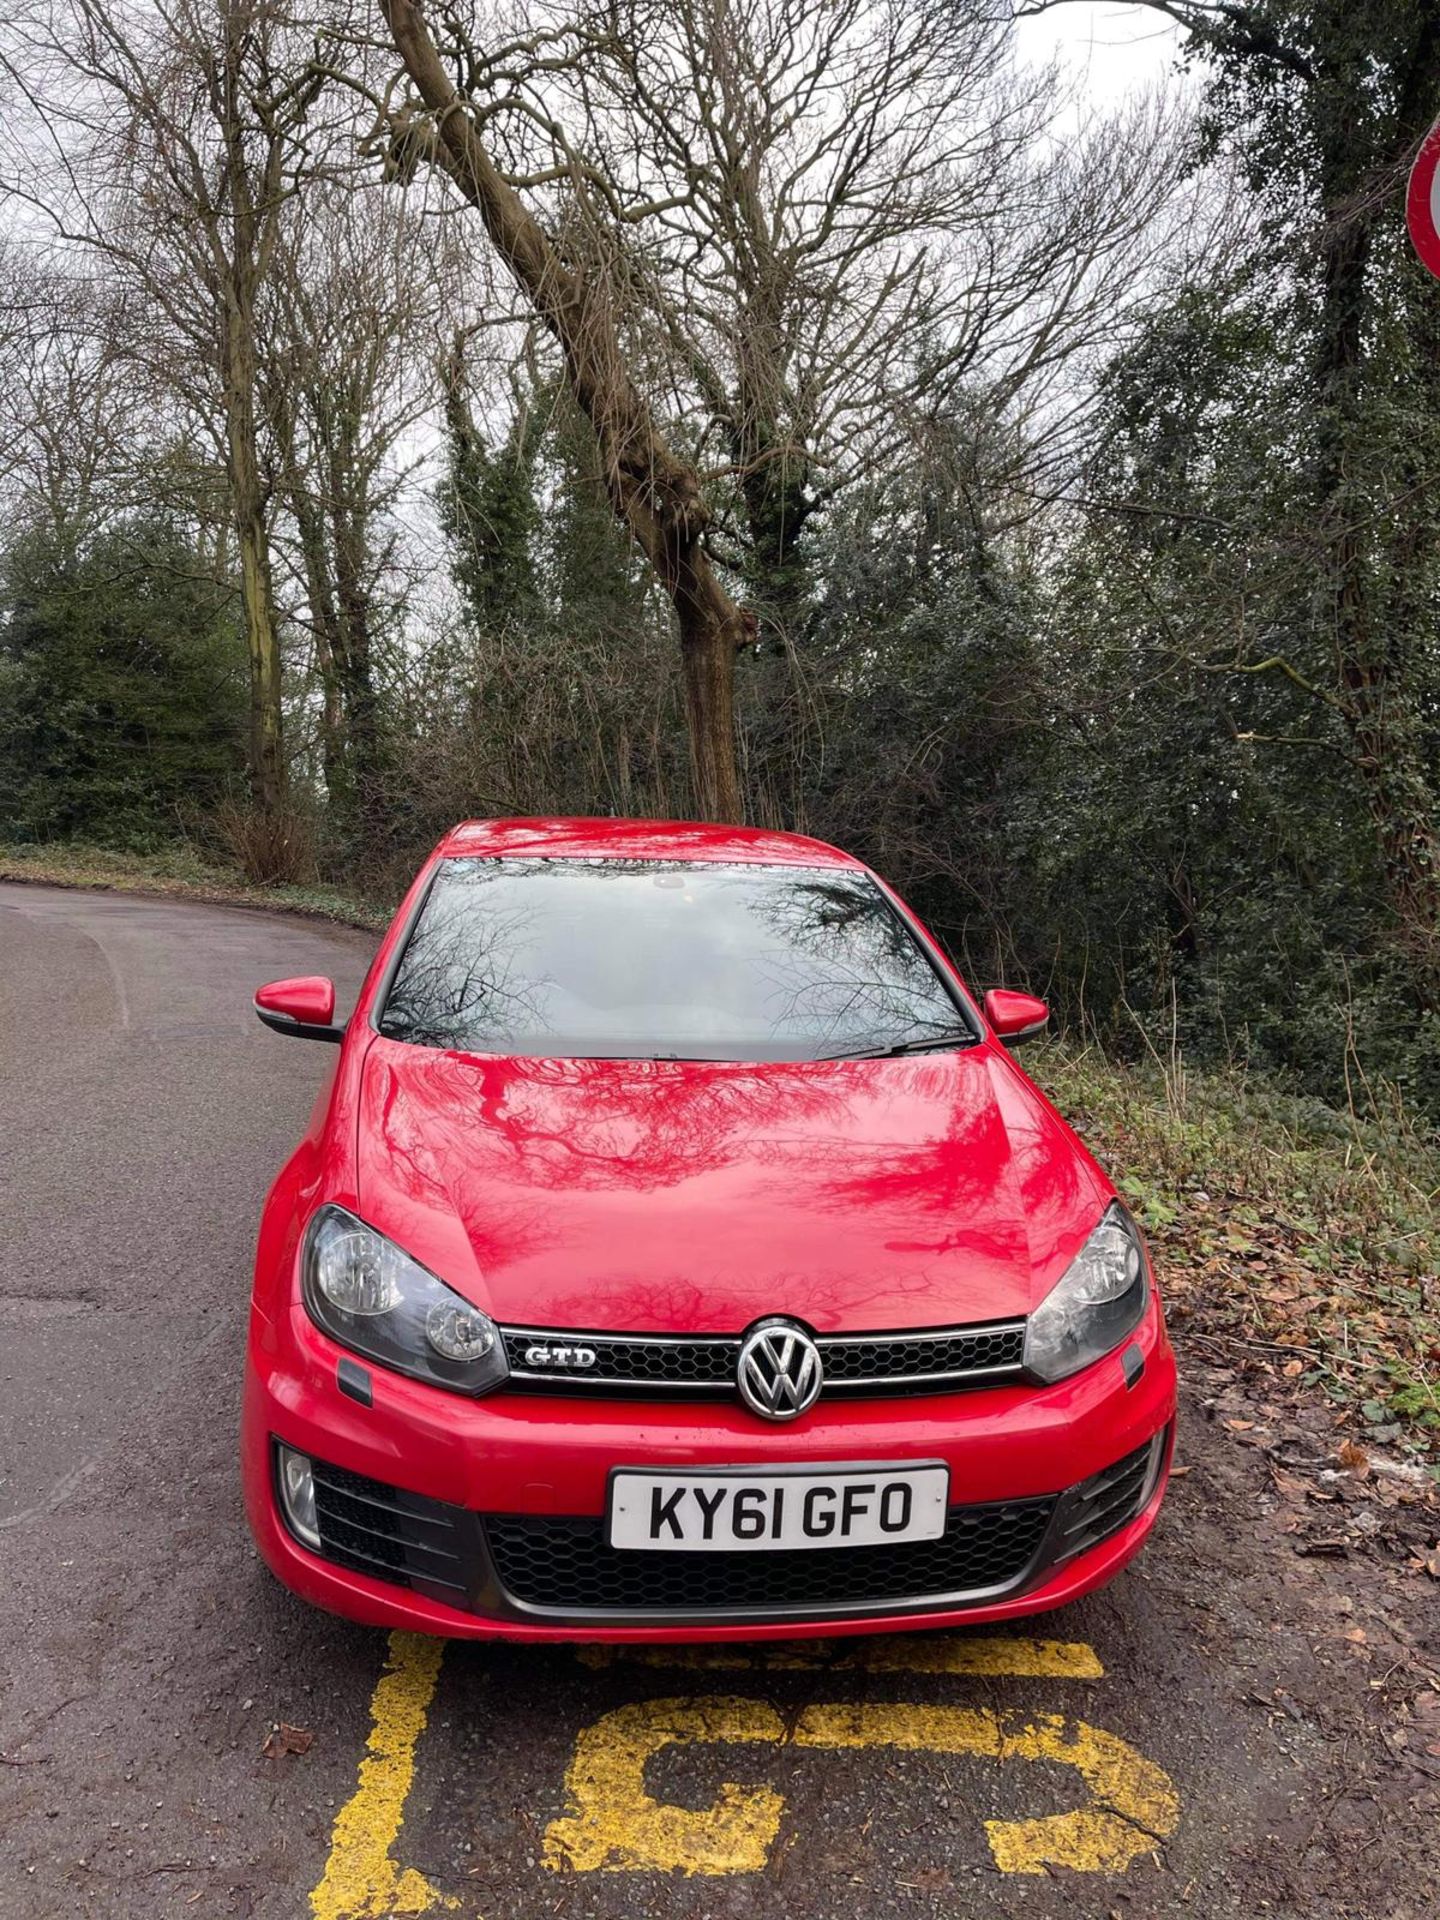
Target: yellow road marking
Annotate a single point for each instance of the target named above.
(1133, 1804)
(362, 1881)
(993, 1655)
(616, 1826)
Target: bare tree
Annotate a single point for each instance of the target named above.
(173, 136)
(348, 336)
(64, 407)
(797, 231)
(656, 490)
(855, 220)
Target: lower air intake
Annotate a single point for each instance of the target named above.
(566, 1566)
(1107, 1501)
(390, 1534)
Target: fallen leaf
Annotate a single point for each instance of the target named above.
(283, 1739)
(1354, 1458)
(1239, 1426)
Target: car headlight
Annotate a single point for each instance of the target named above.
(363, 1291)
(1098, 1299)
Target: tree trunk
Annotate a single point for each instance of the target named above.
(320, 593)
(328, 647)
(262, 638)
(240, 381)
(348, 528)
(267, 747)
(777, 508)
(707, 656)
(773, 460)
(655, 492)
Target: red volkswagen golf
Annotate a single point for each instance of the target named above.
(677, 1252)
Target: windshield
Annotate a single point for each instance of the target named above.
(643, 959)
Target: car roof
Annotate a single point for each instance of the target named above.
(580, 839)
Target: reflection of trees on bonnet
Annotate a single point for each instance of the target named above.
(635, 959)
(574, 1124)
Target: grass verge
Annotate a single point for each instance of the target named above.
(1298, 1239)
(178, 873)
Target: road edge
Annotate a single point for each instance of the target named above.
(355, 915)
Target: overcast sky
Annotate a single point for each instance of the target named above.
(1113, 49)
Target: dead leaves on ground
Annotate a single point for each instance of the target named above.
(1243, 1282)
(1330, 1496)
(283, 1740)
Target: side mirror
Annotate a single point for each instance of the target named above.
(1015, 1016)
(305, 1008)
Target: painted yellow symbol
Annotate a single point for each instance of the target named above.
(362, 1880)
(995, 1656)
(615, 1825)
(1132, 1803)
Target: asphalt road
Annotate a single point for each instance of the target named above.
(1181, 1744)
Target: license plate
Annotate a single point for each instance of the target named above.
(766, 1510)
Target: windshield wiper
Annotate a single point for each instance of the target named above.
(922, 1043)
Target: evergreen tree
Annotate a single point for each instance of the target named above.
(122, 687)
(489, 511)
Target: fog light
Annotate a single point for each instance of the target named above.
(297, 1496)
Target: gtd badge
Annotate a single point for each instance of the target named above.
(570, 1359)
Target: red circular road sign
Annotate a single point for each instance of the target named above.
(1422, 204)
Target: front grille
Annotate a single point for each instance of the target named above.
(390, 1534)
(566, 1566)
(703, 1366)
(902, 1362)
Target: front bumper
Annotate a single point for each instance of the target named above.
(520, 1482)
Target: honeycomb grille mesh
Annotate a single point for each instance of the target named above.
(704, 1367)
(966, 1350)
(566, 1565)
(631, 1362)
